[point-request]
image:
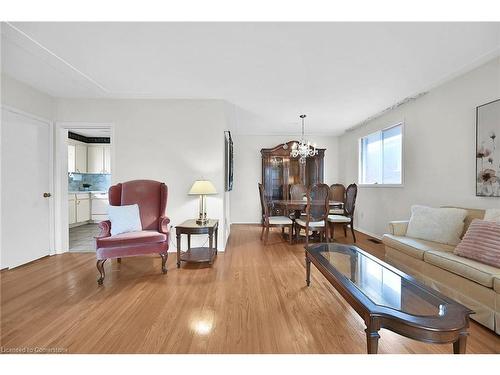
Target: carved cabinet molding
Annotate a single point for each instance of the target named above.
(280, 170)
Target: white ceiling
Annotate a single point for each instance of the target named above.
(337, 73)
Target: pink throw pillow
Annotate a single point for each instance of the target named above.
(481, 242)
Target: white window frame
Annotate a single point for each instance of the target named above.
(360, 159)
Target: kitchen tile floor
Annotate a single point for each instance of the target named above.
(81, 239)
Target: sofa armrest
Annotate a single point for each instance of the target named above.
(105, 227)
(398, 228)
(163, 223)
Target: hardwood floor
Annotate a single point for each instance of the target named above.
(253, 300)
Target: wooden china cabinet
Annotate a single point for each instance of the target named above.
(280, 170)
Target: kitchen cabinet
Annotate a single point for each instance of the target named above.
(71, 209)
(82, 210)
(99, 159)
(78, 208)
(77, 158)
(107, 159)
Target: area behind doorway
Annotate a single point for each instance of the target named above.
(87, 179)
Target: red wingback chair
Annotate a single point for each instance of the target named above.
(151, 196)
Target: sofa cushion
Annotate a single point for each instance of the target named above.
(492, 214)
(132, 238)
(468, 268)
(414, 247)
(481, 243)
(496, 284)
(443, 225)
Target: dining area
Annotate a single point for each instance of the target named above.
(310, 213)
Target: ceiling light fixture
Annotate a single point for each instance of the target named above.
(303, 148)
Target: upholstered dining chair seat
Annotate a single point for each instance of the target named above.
(280, 220)
(338, 219)
(302, 223)
(336, 211)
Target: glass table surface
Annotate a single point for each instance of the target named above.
(380, 284)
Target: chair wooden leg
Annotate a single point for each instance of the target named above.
(266, 235)
(307, 236)
(352, 231)
(262, 232)
(119, 260)
(163, 262)
(100, 268)
(345, 230)
(332, 235)
(290, 233)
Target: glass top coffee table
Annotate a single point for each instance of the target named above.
(388, 298)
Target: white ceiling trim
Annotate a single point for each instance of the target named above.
(69, 65)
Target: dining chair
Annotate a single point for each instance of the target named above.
(297, 193)
(347, 218)
(316, 212)
(337, 193)
(272, 221)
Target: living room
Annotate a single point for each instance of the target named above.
(236, 148)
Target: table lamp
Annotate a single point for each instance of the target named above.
(202, 188)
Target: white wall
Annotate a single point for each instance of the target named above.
(439, 151)
(175, 141)
(25, 98)
(245, 205)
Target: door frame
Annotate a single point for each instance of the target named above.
(50, 123)
(60, 176)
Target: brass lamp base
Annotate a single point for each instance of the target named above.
(202, 221)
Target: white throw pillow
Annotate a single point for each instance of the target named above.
(443, 225)
(492, 214)
(124, 219)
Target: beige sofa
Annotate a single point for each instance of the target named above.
(475, 285)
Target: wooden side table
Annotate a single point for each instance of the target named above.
(197, 254)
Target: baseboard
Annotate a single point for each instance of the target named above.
(369, 233)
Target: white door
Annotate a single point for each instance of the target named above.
(26, 176)
(96, 159)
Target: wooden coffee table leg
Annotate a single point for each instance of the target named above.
(372, 337)
(460, 344)
(308, 271)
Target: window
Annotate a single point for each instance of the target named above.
(381, 157)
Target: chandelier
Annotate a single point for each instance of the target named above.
(303, 148)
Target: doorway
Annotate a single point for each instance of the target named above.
(27, 231)
(85, 162)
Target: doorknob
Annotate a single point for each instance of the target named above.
(47, 195)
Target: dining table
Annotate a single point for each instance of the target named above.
(298, 206)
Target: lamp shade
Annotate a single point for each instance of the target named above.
(202, 187)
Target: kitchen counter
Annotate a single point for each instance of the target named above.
(88, 191)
